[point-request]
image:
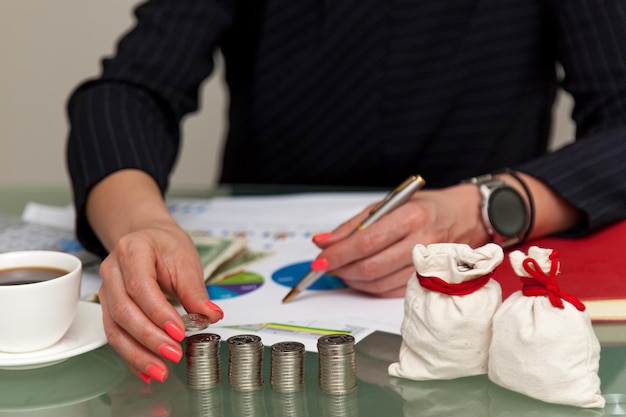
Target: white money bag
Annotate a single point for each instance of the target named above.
(543, 345)
(448, 311)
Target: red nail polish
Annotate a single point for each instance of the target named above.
(321, 236)
(156, 373)
(171, 353)
(145, 378)
(174, 331)
(320, 264)
(216, 308)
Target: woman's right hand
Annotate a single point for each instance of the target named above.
(150, 257)
(140, 323)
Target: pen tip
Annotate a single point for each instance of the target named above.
(294, 291)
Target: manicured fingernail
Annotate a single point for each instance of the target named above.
(156, 373)
(145, 378)
(216, 308)
(321, 236)
(171, 353)
(320, 264)
(174, 331)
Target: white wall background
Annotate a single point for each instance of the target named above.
(46, 48)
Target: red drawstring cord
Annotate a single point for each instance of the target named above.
(542, 284)
(462, 288)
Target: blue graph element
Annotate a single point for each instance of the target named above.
(289, 275)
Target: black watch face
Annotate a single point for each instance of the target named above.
(507, 212)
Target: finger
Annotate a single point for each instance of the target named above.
(193, 296)
(323, 240)
(139, 359)
(389, 286)
(138, 269)
(364, 244)
(185, 280)
(383, 263)
(129, 310)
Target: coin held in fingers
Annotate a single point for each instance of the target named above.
(195, 322)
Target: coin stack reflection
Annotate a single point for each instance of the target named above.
(206, 403)
(339, 405)
(287, 366)
(203, 360)
(337, 364)
(245, 370)
(290, 404)
(248, 404)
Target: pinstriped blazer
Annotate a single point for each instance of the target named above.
(365, 92)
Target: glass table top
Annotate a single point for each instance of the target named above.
(98, 383)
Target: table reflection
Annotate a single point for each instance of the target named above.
(63, 389)
(98, 384)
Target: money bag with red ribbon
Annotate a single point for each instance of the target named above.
(448, 310)
(543, 345)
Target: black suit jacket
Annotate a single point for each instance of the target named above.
(365, 92)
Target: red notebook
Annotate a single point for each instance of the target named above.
(593, 268)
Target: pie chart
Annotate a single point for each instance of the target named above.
(291, 274)
(235, 285)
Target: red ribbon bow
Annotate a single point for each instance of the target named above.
(542, 284)
(462, 288)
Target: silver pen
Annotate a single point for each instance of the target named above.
(394, 199)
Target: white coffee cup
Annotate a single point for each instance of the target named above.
(36, 315)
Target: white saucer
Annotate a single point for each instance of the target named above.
(84, 335)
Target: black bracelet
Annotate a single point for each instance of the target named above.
(531, 201)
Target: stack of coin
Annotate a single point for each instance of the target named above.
(287, 366)
(337, 364)
(245, 370)
(203, 360)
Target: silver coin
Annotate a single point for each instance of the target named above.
(287, 367)
(203, 361)
(195, 322)
(337, 364)
(245, 372)
(287, 347)
(243, 339)
(336, 339)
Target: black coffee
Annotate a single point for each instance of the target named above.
(29, 275)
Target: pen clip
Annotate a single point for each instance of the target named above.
(395, 191)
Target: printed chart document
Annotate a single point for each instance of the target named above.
(254, 250)
(281, 227)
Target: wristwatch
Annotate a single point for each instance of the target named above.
(505, 213)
